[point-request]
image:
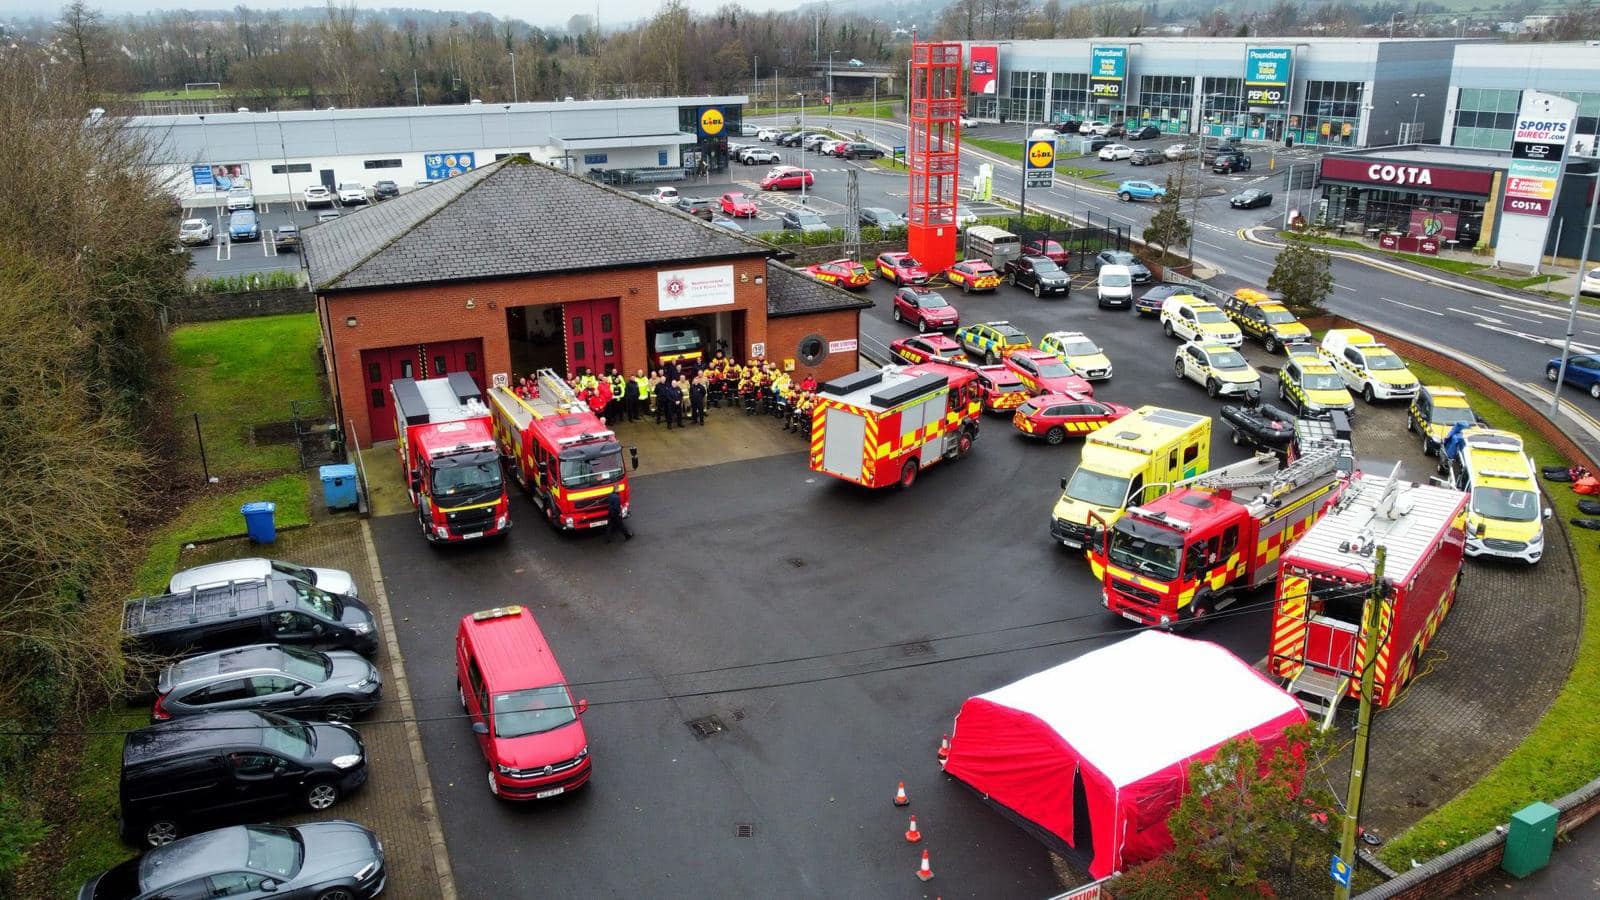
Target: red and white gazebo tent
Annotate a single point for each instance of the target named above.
(1093, 754)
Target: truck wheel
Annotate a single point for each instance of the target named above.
(908, 474)
(963, 444)
(1212, 388)
(1177, 368)
(1055, 436)
(1271, 343)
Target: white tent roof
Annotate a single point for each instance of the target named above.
(1142, 704)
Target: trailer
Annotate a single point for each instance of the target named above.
(882, 427)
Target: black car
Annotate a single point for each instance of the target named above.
(228, 767)
(1144, 133)
(857, 150)
(232, 614)
(385, 190)
(792, 139)
(1150, 302)
(1250, 199)
(1096, 142)
(1147, 156)
(1070, 126)
(1141, 275)
(1228, 163)
(698, 206)
(319, 861)
(1040, 274)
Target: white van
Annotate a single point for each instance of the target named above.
(1114, 287)
(996, 246)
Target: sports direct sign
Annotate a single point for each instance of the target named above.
(1537, 149)
(1401, 176)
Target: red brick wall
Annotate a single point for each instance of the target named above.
(784, 336)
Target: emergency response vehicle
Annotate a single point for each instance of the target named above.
(926, 309)
(1189, 318)
(1309, 385)
(846, 273)
(561, 453)
(677, 341)
(1504, 513)
(1046, 373)
(1265, 318)
(880, 428)
(1076, 350)
(1217, 367)
(992, 341)
(448, 458)
(1055, 417)
(1000, 389)
(1325, 578)
(1143, 455)
(1434, 412)
(973, 275)
(1368, 367)
(928, 348)
(1196, 549)
(901, 268)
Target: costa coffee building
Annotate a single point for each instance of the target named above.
(1427, 198)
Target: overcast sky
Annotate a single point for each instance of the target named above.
(537, 13)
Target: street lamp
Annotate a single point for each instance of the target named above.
(211, 171)
(800, 145)
(1416, 102)
(513, 75)
(1577, 288)
(830, 80)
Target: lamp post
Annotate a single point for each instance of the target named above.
(513, 75)
(830, 80)
(800, 146)
(1577, 288)
(211, 171)
(1416, 103)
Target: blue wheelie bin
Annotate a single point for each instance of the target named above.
(260, 521)
(338, 486)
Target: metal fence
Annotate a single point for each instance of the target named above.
(1081, 242)
(317, 435)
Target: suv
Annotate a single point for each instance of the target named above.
(1229, 162)
(302, 683)
(1310, 385)
(520, 708)
(992, 341)
(1368, 367)
(194, 232)
(859, 150)
(317, 195)
(1039, 273)
(286, 238)
(352, 193)
(227, 766)
(241, 198)
(1139, 190)
(751, 156)
(334, 581)
(1188, 317)
(1147, 156)
(698, 207)
(1436, 410)
(925, 309)
(247, 611)
(385, 189)
(244, 226)
(1217, 367)
(1265, 317)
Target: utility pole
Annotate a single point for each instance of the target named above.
(513, 75)
(1572, 310)
(416, 86)
(1022, 205)
(1358, 763)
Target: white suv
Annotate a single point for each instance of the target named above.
(334, 581)
(317, 195)
(1188, 317)
(1368, 367)
(352, 193)
(241, 198)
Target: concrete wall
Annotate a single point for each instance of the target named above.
(200, 307)
(1421, 67)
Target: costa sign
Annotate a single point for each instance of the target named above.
(1402, 175)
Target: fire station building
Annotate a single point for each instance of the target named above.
(518, 266)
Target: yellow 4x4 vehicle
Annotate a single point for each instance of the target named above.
(1505, 514)
(1265, 318)
(1310, 384)
(1433, 413)
(1189, 318)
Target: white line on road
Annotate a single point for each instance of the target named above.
(1345, 288)
(1431, 312)
(1534, 338)
(1541, 315)
(1520, 318)
(1476, 315)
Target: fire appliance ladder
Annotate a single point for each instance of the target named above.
(1262, 471)
(555, 396)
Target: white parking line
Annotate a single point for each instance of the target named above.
(1431, 312)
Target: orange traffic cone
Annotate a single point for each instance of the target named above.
(900, 798)
(944, 748)
(912, 834)
(926, 872)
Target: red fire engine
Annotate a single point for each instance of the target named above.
(1194, 550)
(882, 427)
(1317, 646)
(448, 458)
(560, 452)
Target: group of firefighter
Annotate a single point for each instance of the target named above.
(677, 396)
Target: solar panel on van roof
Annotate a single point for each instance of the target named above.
(1172, 417)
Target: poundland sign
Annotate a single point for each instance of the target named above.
(1401, 175)
(1267, 72)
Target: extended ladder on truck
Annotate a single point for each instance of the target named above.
(555, 398)
(1265, 471)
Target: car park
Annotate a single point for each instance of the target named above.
(1055, 417)
(1217, 367)
(286, 238)
(1051, 250)
(787, 179)
(880, 217)
(244, 226)
(924, 308)
(803, 221)
(858, 150)
(327, 215)
(1583, 372)
(1250, 199)
(228, 767)
(518, 705)
(1189, 318)
(1115, 151)
(1144, 133)
(1046, 373)
(195, 232)
(923, 348)
(1084, 356)
(738, 205)
(992, 341)
(752, 156)
(1113, 287)
(1139, 272)
(1038, 274)
(335, 860)
(352, 193)
(1146, 156)
(973, 275)
(1229, 163)
(306, 684)
(901, 268)
(317, 195)
(699, 207)
(1001, 389)
(845, 273)
(665, 194)
(1435, 411)
(1265, 318)
(1178, 152)
(1140, 190)
(385, 189)
(241, 198)
(1149, 303)
(1310, 385)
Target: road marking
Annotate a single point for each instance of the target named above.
(1534, 338)
(1431, 312)
(1542, 315)
(1343, 288)
(1476, 315)
(1521, 318)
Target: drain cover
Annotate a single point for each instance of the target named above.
(916, 648)
(706, 726)
(744, 829)
(796, 561)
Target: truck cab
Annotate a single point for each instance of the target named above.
(448, 457)
(1144, 451)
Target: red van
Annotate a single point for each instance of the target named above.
(519, 706)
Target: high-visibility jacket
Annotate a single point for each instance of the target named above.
(643, 384)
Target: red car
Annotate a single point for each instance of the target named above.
(1055, 416)
(973, 275)
(928, 310)
(846, 273)
(902, 269)
(1046, 373)
(1050, 250)
(787, 179)
(738, 205)
(928, 348)
(1002, 389)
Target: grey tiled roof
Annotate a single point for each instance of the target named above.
(791, 292)
(507, 219)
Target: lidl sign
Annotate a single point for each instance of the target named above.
(712, 121)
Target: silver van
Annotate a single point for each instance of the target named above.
(996, 246)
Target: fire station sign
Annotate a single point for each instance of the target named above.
(1108, 69)
(690, 288)
(1267, 71)
(1041, 164)
(1533, 176)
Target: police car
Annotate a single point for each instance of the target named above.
(1265, 318)
(1309, 384)
(1218, 367)
(1076, 350)
(1368, 367)
(1434, 412)
(1192, 319)
(992, 341)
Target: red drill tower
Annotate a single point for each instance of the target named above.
(933, 148)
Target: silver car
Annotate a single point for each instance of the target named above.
(334, 581)
(193, 232)
(337, 685)
(241, 198)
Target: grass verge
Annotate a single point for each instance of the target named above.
(1562, 752)
(884, 109)
(242, 373)
(217, 516)
(1475, 271)
(91, 843)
